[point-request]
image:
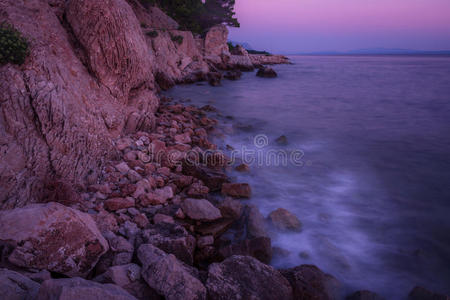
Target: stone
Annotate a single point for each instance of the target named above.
(266, 72)
(283, 219)
(53, 237)
(215, 228)
(244, 277)
(200, 210)
(78, 288)
(141, 220)
(106, 221)
(158, 196)
(119, 203)
(242, 168)
(165, 274)
(420, 293)
(121, 249)
(233, 75)
(123, 168)
(237, 190)
(256, 226)
(15, 286)
(262, 59)
(204, 241)
(364, 295)
(259, 248)
(214, 78)
(172, 239)
(215, 45)
(213, 179)
(161, 218)
(197, 190)
(231, 208)
(134, 176)
(281, 140)
(184, 138)
(309, 282)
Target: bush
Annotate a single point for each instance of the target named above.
(259, 52)
(152, 33)
(13, 46)
(177, 39)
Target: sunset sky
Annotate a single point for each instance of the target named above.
(338, 25)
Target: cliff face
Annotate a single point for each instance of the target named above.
(91, 76)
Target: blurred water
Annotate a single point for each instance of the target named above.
(374, 191)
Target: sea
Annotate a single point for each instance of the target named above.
(364, 163)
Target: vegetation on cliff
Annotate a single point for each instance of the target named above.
(196, 15)
(13, 46)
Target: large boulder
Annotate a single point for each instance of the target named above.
(215, 46)
(285, 220)
(244, 277)
(200, 210)
(15, 286)
(53, 237)
(78, 288)
(173, 239)
(169, 277)
(309, 282)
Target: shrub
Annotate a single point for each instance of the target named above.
(143, 25)
(13, 46)
(177, 39)
(152, 33)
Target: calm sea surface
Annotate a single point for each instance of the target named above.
(372, 188)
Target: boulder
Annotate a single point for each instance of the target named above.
(169, 277)
(244, 277)
(213, 179)
(281, 140)
(285, 220)
(364, 295)
(200, 210)
(15, 286)
(215, 46)
(259, 248)
(242, 168)
(233, 75)
(420, 293)
(214, 78)
(231, 208)
(237, 190)
(172, 239)
(266, 72)
(309, 282)
(53, 237)
(119, 203)
(78, 288)
(256, 225)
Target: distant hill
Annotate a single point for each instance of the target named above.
(378, 51)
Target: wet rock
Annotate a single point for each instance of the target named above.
(214, 78)
(169, 277)
(256, 225)
(164, 81)
(266, 72)
(231, 208)
(14, 285)
(172, 239)
(213, 179)
(200, 210)
(309, 282)
(233, 75)
(214, 228)
(259, 248)
(237, 190)
(242, 168)
(244, 277)
(420, 293)
(281, 140)
(364, 295)
(285, 220)
(78, 288)
(119, 203)
(53, 237)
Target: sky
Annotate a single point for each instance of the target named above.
(290, 26)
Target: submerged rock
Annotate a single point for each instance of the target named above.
(244, 277)
(285, 220)
(266, 72)
(53, 237)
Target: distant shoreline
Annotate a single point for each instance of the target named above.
(373, 54)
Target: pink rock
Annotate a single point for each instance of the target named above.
(160, 218)
(141, 220)
(237, 190)
(184, 138)
(119, 203)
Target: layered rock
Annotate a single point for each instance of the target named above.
(52, 237)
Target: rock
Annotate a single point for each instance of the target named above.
(14, 286)
(106, 221)
(309, 282)
(262, 59)
(78, 288)
(160, 218)
(172, 239)
(197, 190)
(237, 190)
(231, 208)
(259, 248)
(119, 203)
(121, 249)
(134, 176)
(141, 220)
(204, 241)
(216, 228)
(213, 179)
(215, 47)
(282, 140)
(256, 226)
(242, 168)
(285, 220)
(123, 168)
(184, 138)
(243, 277)
(266, 72)
(53, 237)
(158, 196)
(40, 276)
(214, 78)
(233, 75)
(420, 293)
(364, 295)
(200, 210)
(164, 81)
(165, 274)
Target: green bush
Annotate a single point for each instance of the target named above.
(152, 33)
(177, 39)
(13, 46)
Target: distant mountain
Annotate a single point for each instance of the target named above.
(378, 51)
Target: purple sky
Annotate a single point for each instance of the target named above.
(322, 25)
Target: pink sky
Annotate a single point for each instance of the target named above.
(320, 25)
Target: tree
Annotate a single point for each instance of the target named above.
(196, 15)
